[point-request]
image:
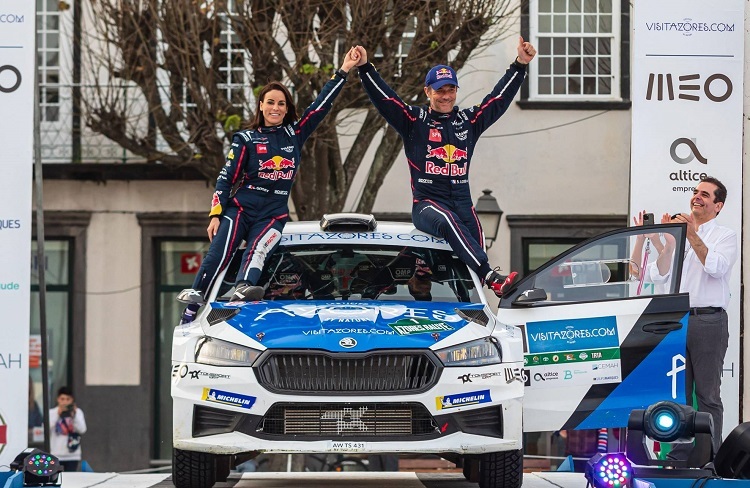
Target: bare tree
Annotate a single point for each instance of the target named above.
(194, 65)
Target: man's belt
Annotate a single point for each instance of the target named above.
(705, 310)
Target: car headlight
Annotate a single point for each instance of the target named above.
(221, 353)
(479, 352)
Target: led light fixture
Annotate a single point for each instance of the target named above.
(609, 470)
(38, 467)
(669, 422)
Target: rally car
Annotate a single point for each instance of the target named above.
(374, 338)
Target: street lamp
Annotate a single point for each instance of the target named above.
(489, 214)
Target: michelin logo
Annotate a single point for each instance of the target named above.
(227, 398)
(462, 399)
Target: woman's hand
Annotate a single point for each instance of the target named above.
(350, 60)
(213, 228)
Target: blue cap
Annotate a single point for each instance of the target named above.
(439, 76)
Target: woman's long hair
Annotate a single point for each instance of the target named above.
(291, 108)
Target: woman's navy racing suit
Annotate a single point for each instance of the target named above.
(261, 165)
(438, 150)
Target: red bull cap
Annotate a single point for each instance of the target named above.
(440, 75)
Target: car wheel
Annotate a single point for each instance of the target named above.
(193, 469)
(501, 469)
(471, 469)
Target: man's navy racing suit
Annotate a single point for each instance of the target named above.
(438, 150)
(261, 165)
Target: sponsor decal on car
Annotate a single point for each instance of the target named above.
(573, 357)
(419, 326)
(227, 398)
(183, 371)
(462, 399)
(572, 334)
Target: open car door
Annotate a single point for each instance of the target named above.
(603, 334)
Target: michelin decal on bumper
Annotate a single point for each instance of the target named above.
(227, 398)
(463, 399)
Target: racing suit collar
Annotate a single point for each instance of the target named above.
(268, 129)
(441, 116)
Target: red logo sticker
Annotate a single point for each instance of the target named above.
(190, 262)
(435, 135)
(261, 149)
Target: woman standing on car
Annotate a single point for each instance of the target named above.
(252, 190)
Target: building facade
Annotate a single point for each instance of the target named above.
(123, 237)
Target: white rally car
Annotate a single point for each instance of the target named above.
(374, 338)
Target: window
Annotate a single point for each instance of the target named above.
(177, 263)
(582, 46)
(402, 51)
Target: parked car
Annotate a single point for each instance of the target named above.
(374, 338)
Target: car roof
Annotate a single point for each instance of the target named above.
(386, 234)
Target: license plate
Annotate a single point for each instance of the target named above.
(336, 446)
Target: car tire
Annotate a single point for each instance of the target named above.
(501, 469)
(193, 469)
(471, 469)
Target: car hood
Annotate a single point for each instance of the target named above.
(348, 325)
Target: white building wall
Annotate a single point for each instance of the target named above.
(113, 263)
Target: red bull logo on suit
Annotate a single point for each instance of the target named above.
(449, 154)
(277, 165)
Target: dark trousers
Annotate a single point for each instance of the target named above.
(69, 466)
(707, 341)
(262, 236)
(457, 224)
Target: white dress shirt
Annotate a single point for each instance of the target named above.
(707, 284)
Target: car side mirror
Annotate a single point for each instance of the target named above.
(531, 296)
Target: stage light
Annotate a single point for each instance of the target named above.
(38, 467)
(669, 422)
(609, 470)
(733, 457)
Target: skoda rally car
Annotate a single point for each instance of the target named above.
(374, 338)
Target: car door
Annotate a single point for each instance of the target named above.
(604, 329)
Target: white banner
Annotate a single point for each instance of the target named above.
(687, 122)
(17, 24)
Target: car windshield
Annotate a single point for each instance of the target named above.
(361, 272)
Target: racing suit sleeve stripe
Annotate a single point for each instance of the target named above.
(452, 224)
(397, 113)
(225, 182)
(496, 102)
(316, 112)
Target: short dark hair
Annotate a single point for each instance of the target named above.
(65, 390)
(291, 108)
(720, 194)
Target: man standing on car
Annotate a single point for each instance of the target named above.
(439, 142)
(710, 253)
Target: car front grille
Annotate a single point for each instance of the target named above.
(348, 373)
(339, 420)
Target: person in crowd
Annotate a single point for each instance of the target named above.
(582, 445)
(710, 253)
(252, 190)
(67, 425)
(439, 142)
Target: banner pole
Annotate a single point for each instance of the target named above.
(38, 182)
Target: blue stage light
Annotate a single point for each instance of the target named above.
(609, 470)
(668, 422)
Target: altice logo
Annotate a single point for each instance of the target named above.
(694, 152)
